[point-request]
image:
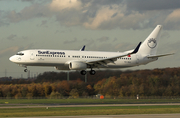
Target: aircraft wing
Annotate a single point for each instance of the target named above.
(105, 61)
(156, 56)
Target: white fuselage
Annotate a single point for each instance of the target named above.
(61, 58)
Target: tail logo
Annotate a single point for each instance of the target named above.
(152, 43)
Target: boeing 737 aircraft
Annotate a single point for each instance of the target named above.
(83, 60)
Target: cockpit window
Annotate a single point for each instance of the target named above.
(20, 53)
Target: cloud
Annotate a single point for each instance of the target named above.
(124, 46)
(24, 37)
(8, 50)
(3, 19)
(174, 16)
(142, 5)
(172, 20)
(70, 41)
(43, 23)
(103, 39)
(58, 5)
(33, 11)
(35, 1)
(104, 14)
(165, 35)
(27, 0)
(14, 50)
(12, 37)
(89, 42)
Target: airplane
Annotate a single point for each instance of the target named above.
(83, 60)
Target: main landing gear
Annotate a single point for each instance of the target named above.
(92, 72)
(83, 72)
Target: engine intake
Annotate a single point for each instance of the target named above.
(76, 65)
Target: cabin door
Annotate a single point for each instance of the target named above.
(32, 56)
(137, 59)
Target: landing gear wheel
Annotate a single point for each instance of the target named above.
(25, 70)
(83, 72)
(92, 72)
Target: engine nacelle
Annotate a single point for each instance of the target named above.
(76, 65)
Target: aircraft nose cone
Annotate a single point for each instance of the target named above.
(12, 58)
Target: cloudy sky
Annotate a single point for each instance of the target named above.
(105, 25)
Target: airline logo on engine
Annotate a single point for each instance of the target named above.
(50, 52)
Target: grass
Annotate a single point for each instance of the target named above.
(86, 101)
(69, 111)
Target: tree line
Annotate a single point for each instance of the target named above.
(157, 82)
(47, 89)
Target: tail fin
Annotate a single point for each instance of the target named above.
(149, 46)
(83, 48)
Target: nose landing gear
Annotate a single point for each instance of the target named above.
(25, 70)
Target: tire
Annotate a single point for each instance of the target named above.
(25, 70)
(83, 72)
(92, 72)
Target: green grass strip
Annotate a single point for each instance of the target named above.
(70, 111)
(86, 101)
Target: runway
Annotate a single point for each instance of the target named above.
(175, 115)
(2, 106)
(114, 116)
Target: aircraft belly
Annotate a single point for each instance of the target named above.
(121, 64)
(42, 64)
(116, 66)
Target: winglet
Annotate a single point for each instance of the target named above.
(136, 49)
(83, 48)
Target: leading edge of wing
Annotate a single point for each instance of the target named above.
(112, 59)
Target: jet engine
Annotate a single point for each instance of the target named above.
(76, 65)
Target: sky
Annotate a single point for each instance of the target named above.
(101, 25)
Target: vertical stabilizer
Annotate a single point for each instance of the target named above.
(149, 46)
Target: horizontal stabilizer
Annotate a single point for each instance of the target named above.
(156, 56)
